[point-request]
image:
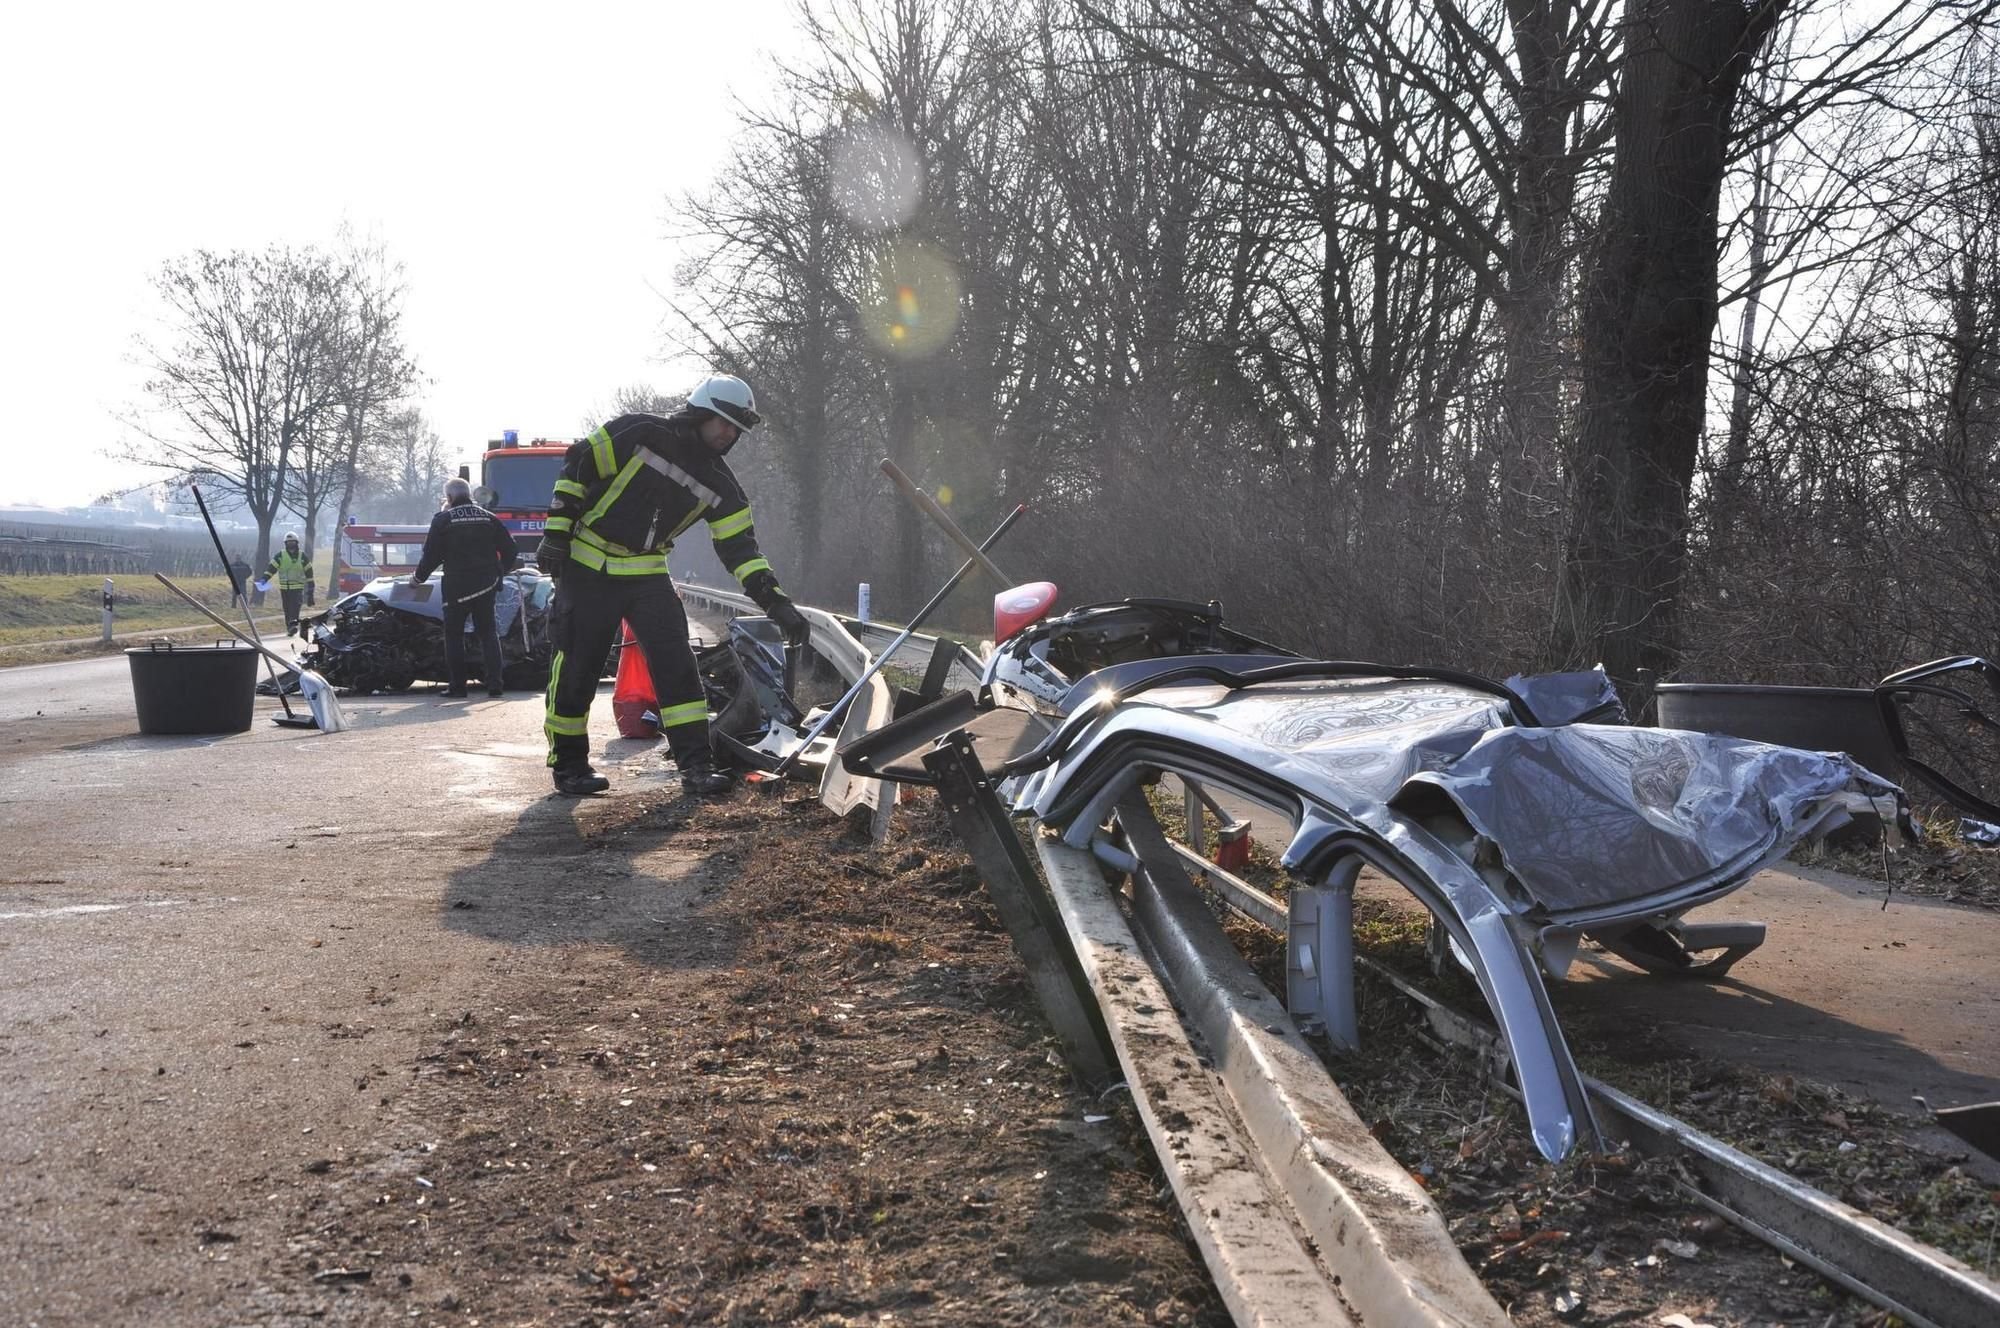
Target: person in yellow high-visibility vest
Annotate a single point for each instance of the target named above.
(293, 571)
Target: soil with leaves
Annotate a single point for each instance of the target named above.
(1609, 1239)
(819, 1092)
(1941, 863)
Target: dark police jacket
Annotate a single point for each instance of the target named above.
(474, 547)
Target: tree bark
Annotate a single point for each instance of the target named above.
(1649, 307)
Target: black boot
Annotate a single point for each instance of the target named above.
(700, 777)
(579, 781)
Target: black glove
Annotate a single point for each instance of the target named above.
(552, 557)
(790, 621)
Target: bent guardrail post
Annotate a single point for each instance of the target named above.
(1387, 1248)
(1030, 917)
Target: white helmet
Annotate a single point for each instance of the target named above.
(728, 397)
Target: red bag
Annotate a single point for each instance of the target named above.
(633, 703)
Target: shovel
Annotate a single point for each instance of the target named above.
(239, 595)
(318, 692)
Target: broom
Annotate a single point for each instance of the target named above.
(318, 692)
(241, 596)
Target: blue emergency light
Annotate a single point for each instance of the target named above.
(511, 436)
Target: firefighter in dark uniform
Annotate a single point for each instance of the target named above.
(476, 550)
(626, 494)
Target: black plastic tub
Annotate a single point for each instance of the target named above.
(1820, 719)
(194, 689)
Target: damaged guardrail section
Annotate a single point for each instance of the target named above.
(1518, 824)
(1300, 1214)
(840, 791)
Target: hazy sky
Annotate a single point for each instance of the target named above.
(517, 160)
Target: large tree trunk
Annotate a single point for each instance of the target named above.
(1648, 311)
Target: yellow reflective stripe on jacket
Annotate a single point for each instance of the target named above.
(754, 565)
(606, 455)
(722, 527)
(570, 487)
(636, 564)
(693, 712)
(558, 524)
(611, 494)
(681, 529)
(596, 541)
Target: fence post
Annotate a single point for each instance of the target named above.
(861, 605)
(109, 598)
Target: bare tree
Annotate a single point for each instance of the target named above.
(631, 399)
(246, 372)
(412, 463)
(375, 371)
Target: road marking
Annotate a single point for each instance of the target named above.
(92, 908)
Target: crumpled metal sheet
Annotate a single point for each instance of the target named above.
(1597, 815)
(389, 634)
(1585, 696)
(1600, 828)
(1584, 815)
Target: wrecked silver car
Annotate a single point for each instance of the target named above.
(1520, 838)
(1521, 832)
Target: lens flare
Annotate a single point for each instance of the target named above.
(914, 306)
(877, 177)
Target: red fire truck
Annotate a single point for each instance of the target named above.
(516, 481)
(369, 551)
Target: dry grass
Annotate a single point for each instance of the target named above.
(45, 618)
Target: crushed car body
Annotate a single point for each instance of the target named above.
(389, 635)
(1520, 832)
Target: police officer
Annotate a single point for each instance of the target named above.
(476, 550)
(294, 573)
(626, 494)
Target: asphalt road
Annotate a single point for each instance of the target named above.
(212, 950)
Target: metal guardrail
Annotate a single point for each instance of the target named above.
(1918, 1284)
(1256, 1253)
(839, 791)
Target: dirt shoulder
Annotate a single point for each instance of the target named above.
(807, 1085)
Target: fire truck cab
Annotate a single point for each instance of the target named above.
(516, 481)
